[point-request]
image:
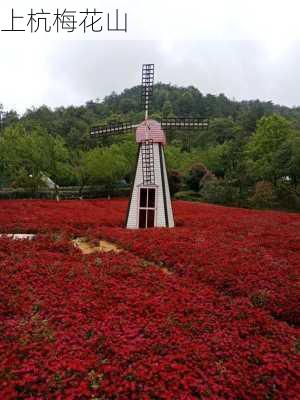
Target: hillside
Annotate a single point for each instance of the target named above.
(248, 143)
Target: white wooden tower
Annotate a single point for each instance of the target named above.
(150, 201)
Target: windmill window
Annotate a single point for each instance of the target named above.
(143, 218)
(150, 218)
(147, 208)
(143, 198)
(151, 198)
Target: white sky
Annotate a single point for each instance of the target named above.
(244, 49)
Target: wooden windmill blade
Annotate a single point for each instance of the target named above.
(147, 86)
(112, 129)
(185, 123)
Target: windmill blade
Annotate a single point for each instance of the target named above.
(185, 123)
(112, 129)
(147, 86)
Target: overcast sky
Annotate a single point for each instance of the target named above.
(243, 53)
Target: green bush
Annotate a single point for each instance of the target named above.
(220, 191)
(264, 196)
(287, 196)
(188, 195)
(195, 174)
(175, 181)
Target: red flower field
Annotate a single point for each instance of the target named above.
(208, 310)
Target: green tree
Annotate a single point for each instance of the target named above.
(28, 154)
(186, 103)
(105, 166)
(175, 181)
(167, 110)
(174, 157)
(251, 112)
(58, 166)
(22, 154)
(196, 173)
(265, 152)
(221, 130)
(294, 162)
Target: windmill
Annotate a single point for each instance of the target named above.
(150, 203)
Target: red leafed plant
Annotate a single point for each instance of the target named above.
(209, 309)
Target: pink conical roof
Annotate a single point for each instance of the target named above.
(150, 129)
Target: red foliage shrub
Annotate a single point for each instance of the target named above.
(112, 326)
(239, 252)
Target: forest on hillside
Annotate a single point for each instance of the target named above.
(249, 156)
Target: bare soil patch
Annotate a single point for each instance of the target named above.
(87, 247)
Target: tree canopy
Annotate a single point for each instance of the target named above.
(247, 142)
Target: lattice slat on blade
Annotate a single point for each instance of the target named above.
(147, 84)
(148, 162)
(185, 123)
(112, 129)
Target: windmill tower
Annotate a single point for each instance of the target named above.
(150, 202)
